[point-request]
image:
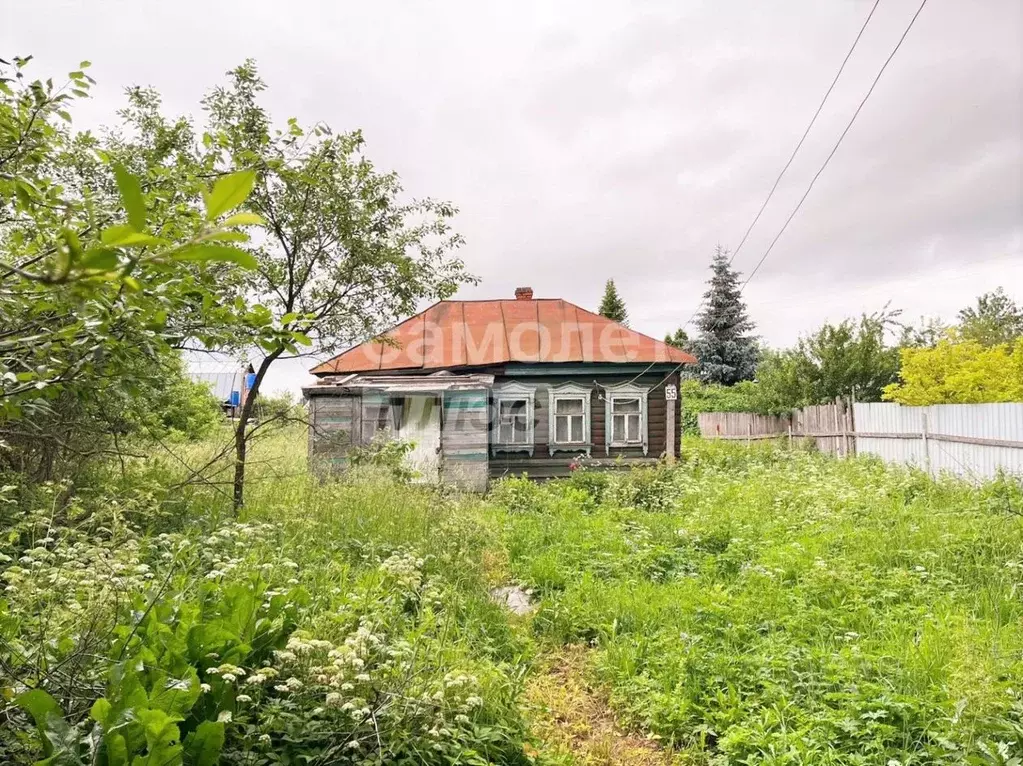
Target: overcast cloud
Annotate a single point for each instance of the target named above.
(587, 140)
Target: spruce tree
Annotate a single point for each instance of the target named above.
(726, 347)
(612, 306)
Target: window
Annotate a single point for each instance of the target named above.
(626, 420)
(625, 417)
(512, 429)
(569, 418)
(513, 423)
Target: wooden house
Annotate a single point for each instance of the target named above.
(488, 388)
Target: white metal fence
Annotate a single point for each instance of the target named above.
(974, 441)
(971, 440)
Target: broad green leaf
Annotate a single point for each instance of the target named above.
(175, 696)
(40, 705)
(228, 193)
(100, 710)
(84, 64)
(124, 235)
(244, 219)
(221, 253)
(162, 737)
(131, 196)
(289, 318)
(227, 236)
(117, 750)
(74, 245)
(203, 746)
(301, 337)
(100, 258)
(59, 739)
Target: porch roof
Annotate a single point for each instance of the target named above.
(401, 384)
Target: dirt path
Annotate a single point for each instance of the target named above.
(573, 721)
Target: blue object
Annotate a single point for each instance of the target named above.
(236, 398)
(250, 380)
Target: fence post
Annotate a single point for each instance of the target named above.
(845, 427)
(790, 436)
(927, 449)
(749, 433)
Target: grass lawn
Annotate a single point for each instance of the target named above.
(746, 606)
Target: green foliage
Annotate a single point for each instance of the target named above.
(764, 606)
(995, 320)
(678, 339)
(959, 371)
(106, 268)
(612, 306)
(850, 358)
(700, 397)
(182, 646)
(386, 453)
(725, 349)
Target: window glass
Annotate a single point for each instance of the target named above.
(513, 426)
(621, 404)
(569, 406)
(626, 420)
(569, 420)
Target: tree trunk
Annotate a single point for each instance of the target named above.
(240, 435)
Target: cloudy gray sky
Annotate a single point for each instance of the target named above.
(587, 140)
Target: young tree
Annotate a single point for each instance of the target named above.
(726, 348)
(995, 319)
(678, 339)
(612, 306)
(836, 360)
(346, 254)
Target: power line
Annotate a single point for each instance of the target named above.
(806, 132)
(838, 143)
(799, 145)
(827, 160)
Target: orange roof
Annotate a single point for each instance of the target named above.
(482, 333)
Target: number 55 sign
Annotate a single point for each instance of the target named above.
(671, 392)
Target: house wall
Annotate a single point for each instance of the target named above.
(335, 425)
(464, 439)
(341, 420)
(541, 464)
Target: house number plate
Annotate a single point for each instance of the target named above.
(671, 393)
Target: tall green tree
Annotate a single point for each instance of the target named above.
(725, 348)
(612, 306)
(346, 253)
(993, 320)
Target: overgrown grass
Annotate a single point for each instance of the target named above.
(745, 607)
(761, 606)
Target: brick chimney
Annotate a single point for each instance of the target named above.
(523, 293)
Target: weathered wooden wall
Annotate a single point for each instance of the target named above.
(335, 424)
(465, 439)
(541, 464)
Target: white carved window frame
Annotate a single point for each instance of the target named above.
(626, 391)
(568, 391)
(513, 392)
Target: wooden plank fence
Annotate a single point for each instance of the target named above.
(975, 441)
(829, 426)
